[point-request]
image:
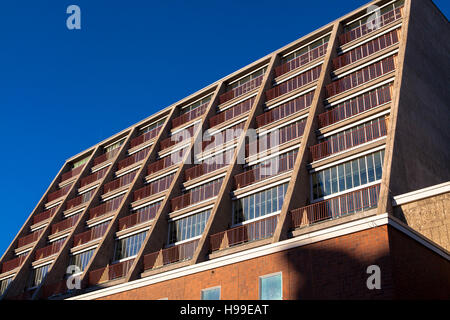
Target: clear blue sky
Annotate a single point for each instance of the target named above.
(63, 91)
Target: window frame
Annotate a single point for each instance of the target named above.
(260, 282)
(210, 289)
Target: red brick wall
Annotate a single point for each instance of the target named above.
(330, 269)
(418, 272)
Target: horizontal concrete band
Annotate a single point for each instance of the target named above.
(421, 194)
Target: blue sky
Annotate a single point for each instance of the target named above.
(63, 91)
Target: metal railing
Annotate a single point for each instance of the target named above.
(33, 237)
(92, 234)
(361, 76)
(177, 138)
(93, 177)
(161, 164)
(65, 224)
(145, 137)
(137, 218)
(242, 89)
(295, 83)
(366, 49)
(72, 173)
(134, 158)
(253, 231)
(231, 113)
(356, 106)
(110, 272)
(153, 188)
(260, 173)
(352, 202)
(13, 264)
(203, 168)
(178, 253)
(48, 250)
(301, 60)
(197, 195)
(120, 182)
(189, 116)
(104, 208)
(58, 193)
(348, 140)
(105, 157)
(371, 26)
(285, 110)
(44, 215)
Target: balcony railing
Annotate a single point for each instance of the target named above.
(189, 116)
(110, 272)
(232, 112)
(106, 156)
(253, 231)
(178, 253)
(153, 187)
(260, 173)
(33, 237)
(356, 106)
(48, 250)
(242, 89)
(71, 173)
(177, 138)
(366, 49)
(93, 177)
(85, 197)
(90, 235)
(295, 83)
(161, 164)
(348, 140)
(44, 215)
(138, 218)
(362, 76)
(204, 168)
(107, 207)
(134, 158)
(223, 137)
(120, 182)
(271, 140)
(196, 195)
(145, 137)
(371, 26)
(285, 110)
(301, 60)
(352, 202)
(65, 224)
(58, 193)
(13, 264)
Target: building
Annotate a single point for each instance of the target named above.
(349, 170)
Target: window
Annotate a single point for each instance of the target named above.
(195, 105)
(79, 163)
(259, 204)
(271, 287)
(211, 294)
(248, 78)
(4, 285)
(37, 275)
(305, 49)
(155, 125)
(114, 146)
(148, 212)
(81, 260)
(348, 175)
(189, 227)
(128, 247)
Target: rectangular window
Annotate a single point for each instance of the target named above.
(271, 287)
(79, 163)
(259, 204)
(189, 227)
(114, 146)
(4, 285)
(211, 294)
(351, 174)
(128, 247)
(37, 275)
(81, 260)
